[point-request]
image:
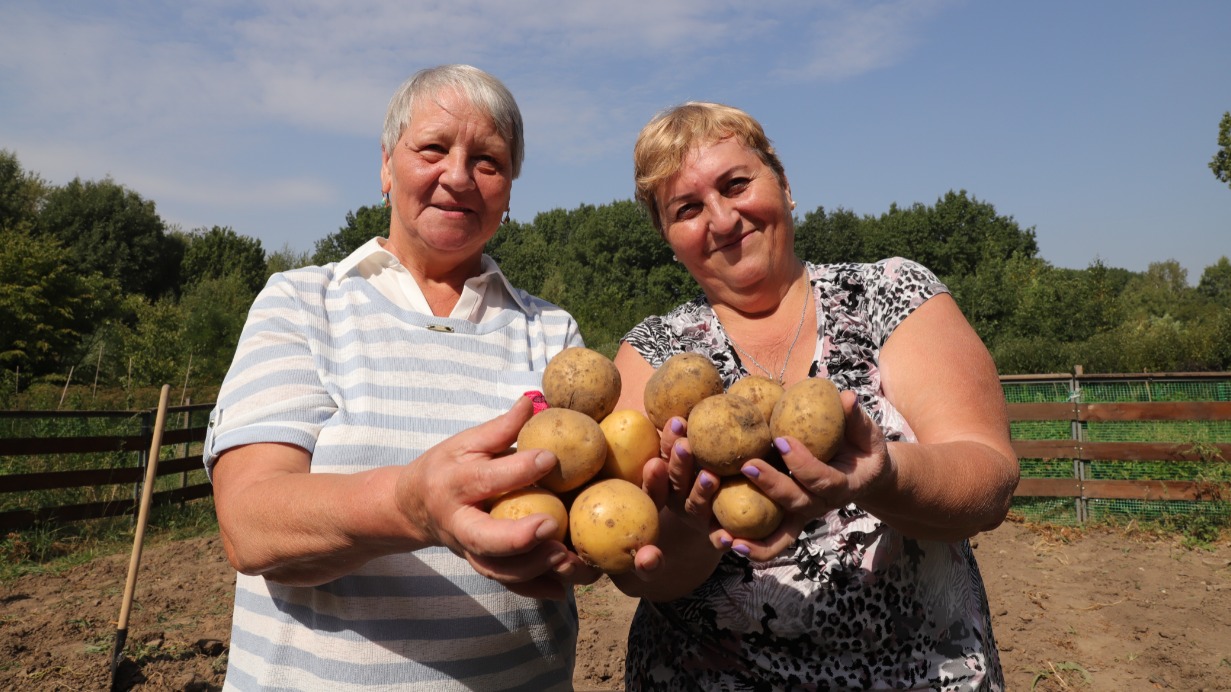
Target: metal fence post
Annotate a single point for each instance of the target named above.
(1079, 466)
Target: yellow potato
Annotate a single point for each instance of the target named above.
(677, 385)
(761, 391)
(632, 440)
(527, 501)
(583, 380)
(811, 412)
(576, 440)
(609, 521)
(724, 431)
(742, 509)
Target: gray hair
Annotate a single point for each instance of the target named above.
(481, 89)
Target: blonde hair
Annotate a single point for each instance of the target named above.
(667, 139)
(481, 89)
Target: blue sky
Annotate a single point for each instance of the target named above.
(1092, 122)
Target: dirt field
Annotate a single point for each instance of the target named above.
(1100, 610)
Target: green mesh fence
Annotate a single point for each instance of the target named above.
(1199, 437)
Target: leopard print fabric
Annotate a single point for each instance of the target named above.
(853, 605)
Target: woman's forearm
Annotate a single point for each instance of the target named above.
(306, 529)
(946, 491)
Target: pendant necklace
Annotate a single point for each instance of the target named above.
(798, 329)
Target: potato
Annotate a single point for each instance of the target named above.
(743, 510)
(609, 521)
(526, 501)
(761, 391)
(582, 380)
(811, 412)
(677, 385)
(632, 440)
(576, 440)
(724, 431)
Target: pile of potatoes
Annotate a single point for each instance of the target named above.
(728, 428)
(594, 492)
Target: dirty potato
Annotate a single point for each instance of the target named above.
(724, 431)
(811, 412)
(743, 510)
(677, 385)
(583, 380)
(575, 439)
(763, 392)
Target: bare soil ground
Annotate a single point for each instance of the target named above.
(1092, 610)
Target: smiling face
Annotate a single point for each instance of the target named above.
(449, 179)
(727, 217)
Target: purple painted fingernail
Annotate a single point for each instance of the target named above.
(743, 550)
(782, 445)
(682, 452)
(676, 426)
(751, 471)
(706, 481)
(726, 542)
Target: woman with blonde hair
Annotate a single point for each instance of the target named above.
(870, 581)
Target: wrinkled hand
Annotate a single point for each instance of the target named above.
(444, 492)
(813, 487)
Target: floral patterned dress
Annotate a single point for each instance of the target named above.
(853, 604)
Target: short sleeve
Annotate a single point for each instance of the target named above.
(273, 391)
(898, 286)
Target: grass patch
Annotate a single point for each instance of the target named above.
(55, 549)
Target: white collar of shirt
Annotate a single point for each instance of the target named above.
(483, 297)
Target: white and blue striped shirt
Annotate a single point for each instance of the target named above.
(329, 363)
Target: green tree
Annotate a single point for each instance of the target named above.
(606, 265)
(153, 342)
(220, 251)
(951, 237)
(1221, 163)
(108, 229)
(285, 259)
(47, 307)
(361, 226)
(827, 238)
(213, 312)
(20, 192)
(1215, 282)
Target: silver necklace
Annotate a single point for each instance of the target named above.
(798, 329)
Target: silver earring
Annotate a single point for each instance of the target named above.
(506, 219)
(385, 199)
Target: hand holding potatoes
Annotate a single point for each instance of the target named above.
(444, 494)
(813, 487)
(601, 452)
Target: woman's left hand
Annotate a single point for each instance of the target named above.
(813, 487)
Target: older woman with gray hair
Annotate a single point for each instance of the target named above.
(366, 420)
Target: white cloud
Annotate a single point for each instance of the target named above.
(855, 38)
(172, 99)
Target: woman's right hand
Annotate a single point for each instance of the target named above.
(444, 491)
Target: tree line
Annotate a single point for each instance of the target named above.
(92, 279)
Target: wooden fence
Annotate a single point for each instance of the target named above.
(183, 436)
(1074, 412)
(1212, 453)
